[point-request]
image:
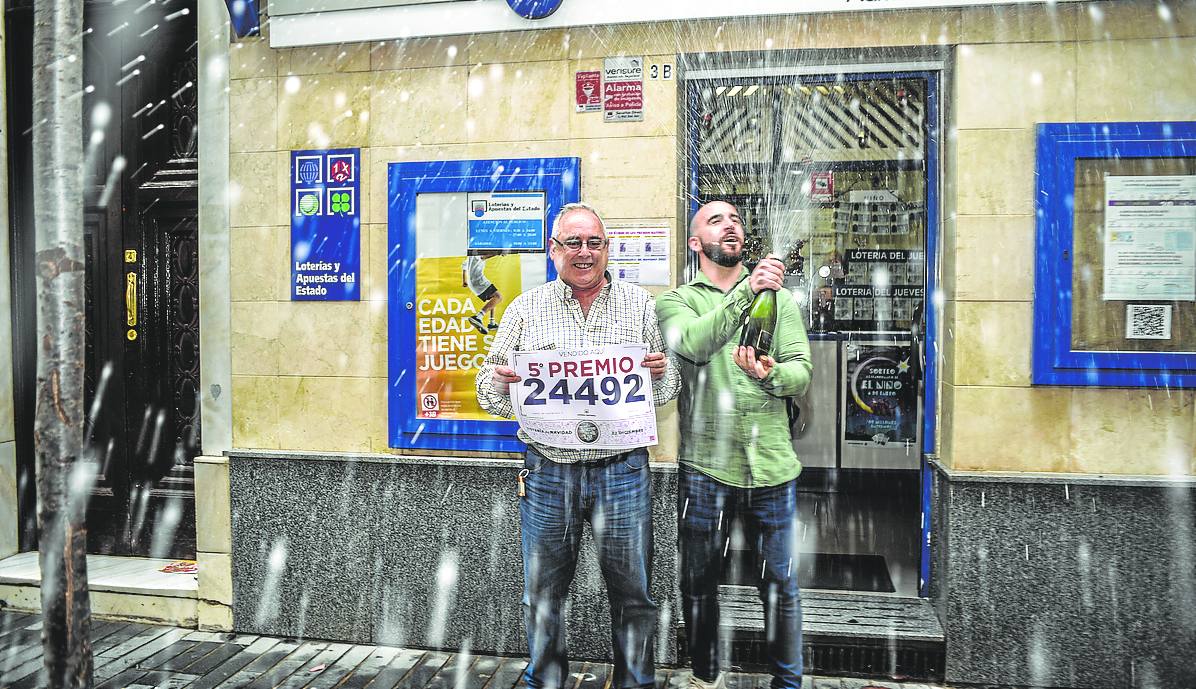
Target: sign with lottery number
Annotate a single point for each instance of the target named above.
(598, 398)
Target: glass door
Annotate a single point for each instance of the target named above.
(837, 174)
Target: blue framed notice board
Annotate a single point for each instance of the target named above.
(464, 239)
(1115, 267)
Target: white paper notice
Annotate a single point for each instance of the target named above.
(585, 398)
(1150, 238)
(639, 254)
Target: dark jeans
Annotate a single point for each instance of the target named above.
(614, 496)
(705, 508)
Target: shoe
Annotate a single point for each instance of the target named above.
(477, 323)
(696, 682)
(493, 324)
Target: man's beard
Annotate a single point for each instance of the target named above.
(714, 252)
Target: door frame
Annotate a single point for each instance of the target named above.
(932, 64)
(18, 61)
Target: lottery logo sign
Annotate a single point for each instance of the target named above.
(340, 169)
(325, 225)
(307, 169)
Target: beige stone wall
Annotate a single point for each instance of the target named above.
(312, 376)
(213, 544)
(1097, 62)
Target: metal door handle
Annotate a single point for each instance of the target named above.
(131, 299)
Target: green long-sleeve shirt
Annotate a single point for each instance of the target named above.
(734, 428)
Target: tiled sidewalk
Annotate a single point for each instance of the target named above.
(137, 656)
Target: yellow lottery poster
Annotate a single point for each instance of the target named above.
(460, 302)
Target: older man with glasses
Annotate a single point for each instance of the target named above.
(565, 487)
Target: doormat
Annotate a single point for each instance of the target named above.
(844, 572)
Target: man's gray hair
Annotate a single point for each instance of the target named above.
(573, 208)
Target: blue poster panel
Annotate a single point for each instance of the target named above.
(326, 225)
(465, 238)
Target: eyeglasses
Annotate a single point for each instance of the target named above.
(575, 244)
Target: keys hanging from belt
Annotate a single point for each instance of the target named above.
(522, 487)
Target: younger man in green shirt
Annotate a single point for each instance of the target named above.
(736, 457)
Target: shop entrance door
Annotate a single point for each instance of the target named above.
(837, 173)
(142, 288)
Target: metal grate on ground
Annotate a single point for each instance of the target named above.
(843, 634)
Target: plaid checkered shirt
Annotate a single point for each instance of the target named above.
(549, 317)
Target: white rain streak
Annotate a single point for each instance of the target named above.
(167, 523)
(664, 621)
(1039, 662)
(155, 108)
(1183, 562)
(159, 127)
(182, 89)
(97, 400)
(443, 597)
(464, 660)
(304, 604)
(132, 63)
(141, 498)
(269, 606)
(126, 78)
(390, 629)
(85, 91)
(1084, 565)
(156, 439)
(81, 481)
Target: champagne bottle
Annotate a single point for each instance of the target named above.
(760, 322)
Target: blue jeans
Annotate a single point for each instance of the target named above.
(705, 508)
(614, 496)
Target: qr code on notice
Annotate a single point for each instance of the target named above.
(1147, 322)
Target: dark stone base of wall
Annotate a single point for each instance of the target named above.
(1084, 582)
(411, 552)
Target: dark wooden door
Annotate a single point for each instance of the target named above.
(144, 314)
(140, 226)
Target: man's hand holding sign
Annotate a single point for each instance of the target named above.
(597, 398)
